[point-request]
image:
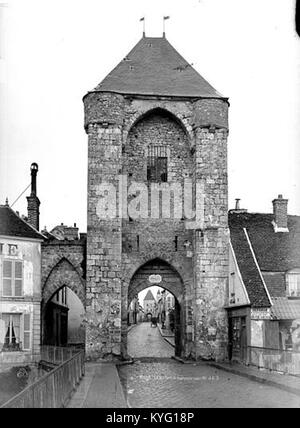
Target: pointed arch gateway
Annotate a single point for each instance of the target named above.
(170, 281)
(62, 276)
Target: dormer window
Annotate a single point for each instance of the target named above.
(293, 283)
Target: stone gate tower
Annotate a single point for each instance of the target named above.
(153, 124)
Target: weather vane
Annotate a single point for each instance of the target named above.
(164, 26)
(143, 20)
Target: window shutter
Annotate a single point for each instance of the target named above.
(18, 278)
(7, 278)
(27, 332)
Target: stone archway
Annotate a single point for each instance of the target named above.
(63, 274)
(170, 281)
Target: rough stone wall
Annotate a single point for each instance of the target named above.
(55, 251)
(211, 240)
(157, 129)
(118, 129)
(103, 298)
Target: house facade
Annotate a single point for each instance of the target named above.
(20, 290)
(264, 280)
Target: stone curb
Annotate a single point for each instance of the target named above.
(165, 337)
(257, 378)
(132, 326)
(121, 387)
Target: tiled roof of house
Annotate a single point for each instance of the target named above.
(154, 67)
(285, 309)
(250, 273)
(275, 283)
(12, 225)
(276, 253)
(149, 296)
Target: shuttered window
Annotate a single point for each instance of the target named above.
(27, 330)
(12, 278)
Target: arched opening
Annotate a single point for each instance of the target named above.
(157, 142)
(155, 297)
(62, 309)
(63, 319)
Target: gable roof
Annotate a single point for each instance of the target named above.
(275, 252)
(250, 273)
(154, 67)
(149, 296)
(12, 225)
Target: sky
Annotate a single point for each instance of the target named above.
(53, 52)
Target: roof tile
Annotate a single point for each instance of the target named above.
(12, 225)
(154, 67)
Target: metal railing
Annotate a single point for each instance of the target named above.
(54, 389)
(57, 354)
(274, 359)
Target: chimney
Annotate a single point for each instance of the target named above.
(33, 202)
(238, 209)
(280, 212)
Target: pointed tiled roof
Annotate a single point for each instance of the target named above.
(12, 225)
(154, 67)
(149, 296)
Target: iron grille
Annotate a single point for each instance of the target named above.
(157, 164)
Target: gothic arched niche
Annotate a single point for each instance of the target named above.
(157, 133)
(63, 274)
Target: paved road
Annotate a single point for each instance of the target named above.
(146, 341)
(163, 382)
(171, 384)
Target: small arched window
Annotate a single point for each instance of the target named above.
(293, 283)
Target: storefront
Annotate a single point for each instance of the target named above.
(239, 333)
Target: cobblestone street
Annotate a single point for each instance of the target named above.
(163, 382)
(175, 385)
(146, 341)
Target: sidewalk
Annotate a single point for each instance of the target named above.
(287, 383)
(167, 335)
(130, 327)
(100, 388)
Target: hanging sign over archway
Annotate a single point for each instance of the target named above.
(155, 279)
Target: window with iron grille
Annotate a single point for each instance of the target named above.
(157, 164)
